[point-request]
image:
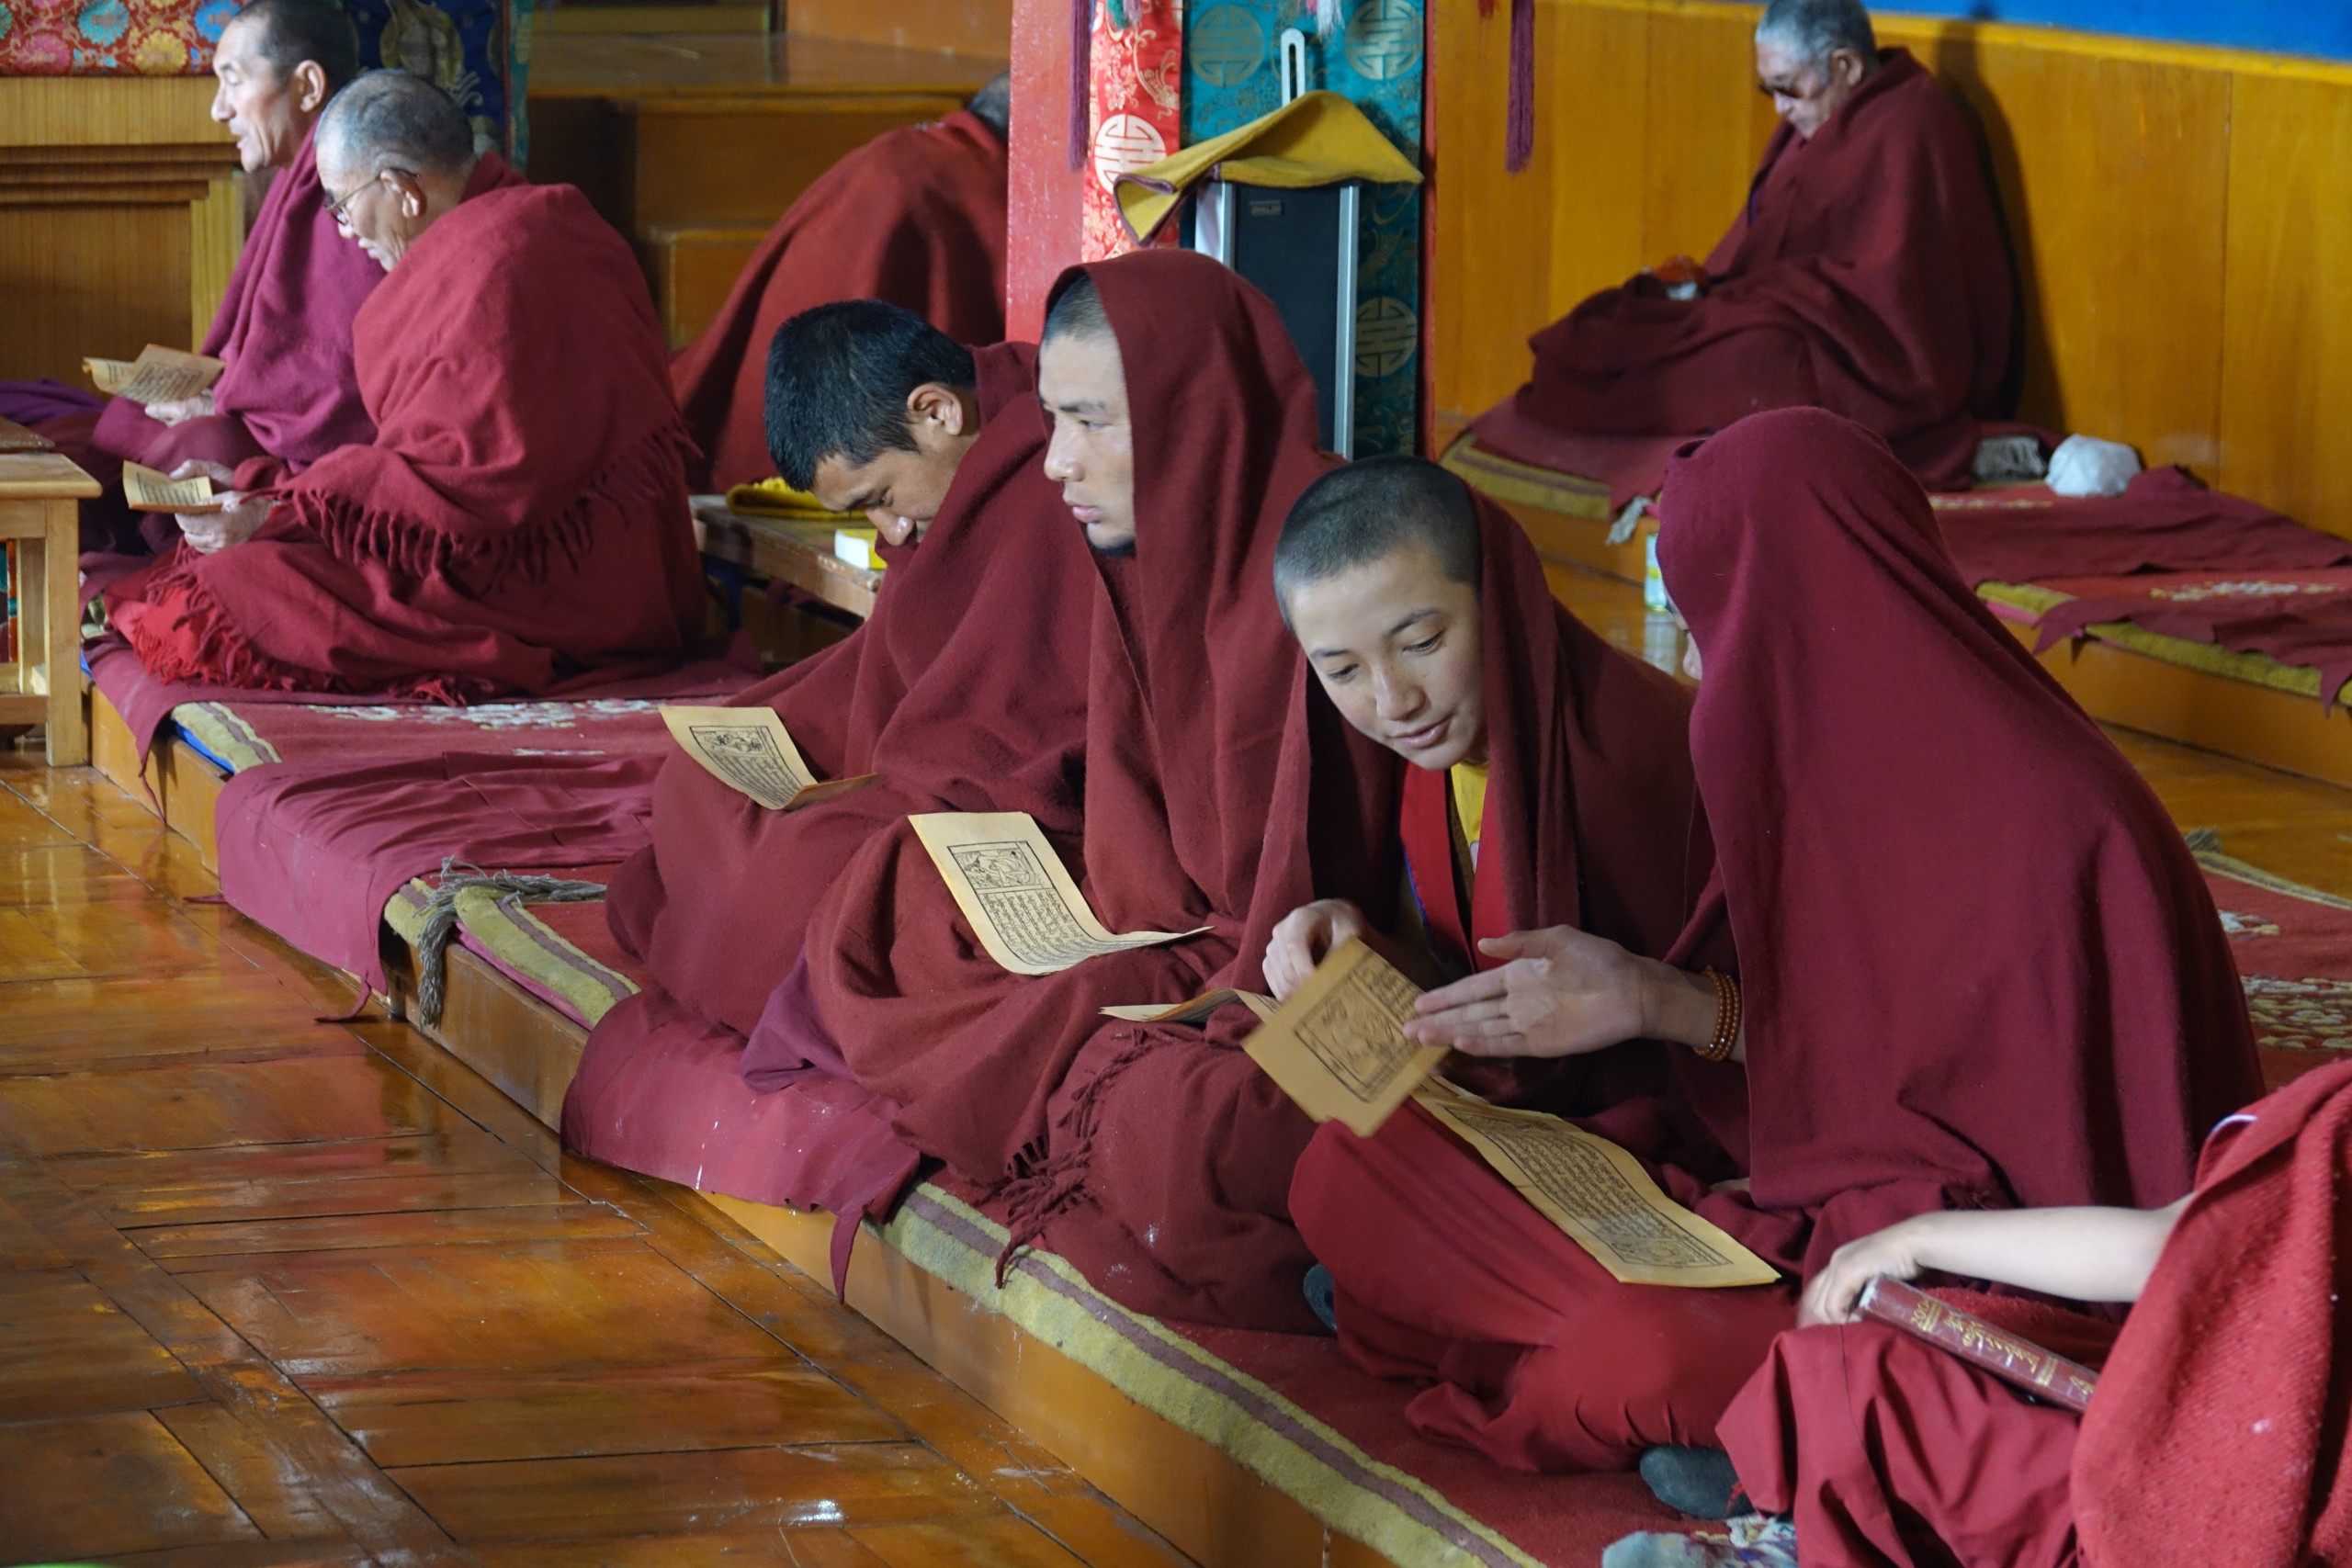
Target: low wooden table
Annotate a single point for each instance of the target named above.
(798, 553)
(38, 492)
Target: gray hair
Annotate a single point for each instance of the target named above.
(1814, 29)
(391, 118)
(992, 104)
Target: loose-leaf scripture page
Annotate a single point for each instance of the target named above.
(149, 490)
(1601, 1197)
(1337, 1047)
(1195, 1010)
(1012, 888)
(159, 375)
(748, 749)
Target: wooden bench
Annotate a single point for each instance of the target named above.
(41, 494)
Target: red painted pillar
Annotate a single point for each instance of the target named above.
(1046, 194)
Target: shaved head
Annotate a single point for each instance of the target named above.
(392, 120)
(1077, 312)
(1354, 515)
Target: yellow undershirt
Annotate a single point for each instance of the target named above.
(1469, 801)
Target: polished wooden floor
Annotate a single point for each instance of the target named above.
(275, 1290)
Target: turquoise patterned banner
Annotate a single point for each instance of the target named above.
(1372, 56)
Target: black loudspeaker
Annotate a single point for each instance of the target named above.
(1299, 248)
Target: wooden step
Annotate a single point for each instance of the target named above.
(694, 267)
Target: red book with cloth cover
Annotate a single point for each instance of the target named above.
(2009, 1357)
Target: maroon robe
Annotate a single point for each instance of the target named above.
(1980, 970)
(284, 329)
(1866, 275)
(520, 516)
(1155, 1157)
(916, 216)
(2216, 1434)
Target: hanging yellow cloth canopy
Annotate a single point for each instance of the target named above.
(1317, 138)
(773, 498)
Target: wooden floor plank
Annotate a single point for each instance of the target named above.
(300, 1101)
(69, 1481)
(464, 1167)
(228, 1014)
(245, 1244)
(65, 1350)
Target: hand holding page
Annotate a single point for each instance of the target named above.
(1337, 1047)
(1194, 1011)
(1012, 888)
(750, 750)
(149, 490)
(1601, 1198)
(159, 375)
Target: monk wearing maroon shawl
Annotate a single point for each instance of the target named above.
(915, 217)
(2216, 1431)
(1154, 1156)
(520, 516)
(1977, 968)
(965, 691)
(1866, 275)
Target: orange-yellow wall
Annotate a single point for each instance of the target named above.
(960, 27)
(2182, 216)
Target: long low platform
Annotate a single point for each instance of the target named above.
(1203, 1498)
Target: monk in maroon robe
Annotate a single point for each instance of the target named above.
(520, 516)
(1155, 1157)
(965, 691)
(1866, 275)
(915, 217)
(2216, 1434)
(1976, 968)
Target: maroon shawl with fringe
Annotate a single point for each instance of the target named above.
(1866, 274)
(521, 515)
(965, 692)
(1204, 744)
(285, 331)
(1981, 968)
(916, 216)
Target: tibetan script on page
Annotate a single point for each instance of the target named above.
(159, 375)
(748, 749)
(1337, 1047)
(1602, 1197)
(1012, 888)
(149, 490)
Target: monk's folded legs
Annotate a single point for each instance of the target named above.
(1543, 1361)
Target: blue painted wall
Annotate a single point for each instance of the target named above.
(2286, 27)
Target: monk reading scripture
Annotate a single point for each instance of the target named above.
(965, 691)
(915, 217)
(1155, 1157)
(520, 516)
(1976, 968)
(2216, 1432)
(284, 325)
(1866, 275)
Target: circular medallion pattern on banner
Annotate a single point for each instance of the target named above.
(1126, 142)
(1225, 46)
(1385, 40)
(1386, 334)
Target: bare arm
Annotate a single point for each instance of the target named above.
(1563, 992)
(2084, 1255)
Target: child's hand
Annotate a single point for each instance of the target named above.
(1834, 1291)
(1305, 938)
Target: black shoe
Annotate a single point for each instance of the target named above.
(1319, 1293)
(1697, 1482)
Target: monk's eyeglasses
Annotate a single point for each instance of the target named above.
(334, 208)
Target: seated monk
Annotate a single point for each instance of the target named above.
(1977, 968)
(915, 217)
(1550, 781)
(1155, 1157)
(519, 518)
(964, 689)
(1866, 275)
(2215, 1435)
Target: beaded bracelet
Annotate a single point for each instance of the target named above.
(1726, 1036)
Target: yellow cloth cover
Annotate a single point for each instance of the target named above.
(1317, 138)
(1469, 798)
(773, 498)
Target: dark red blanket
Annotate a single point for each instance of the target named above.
(284, 330)
(2163, 521)
(915, 217)
(2302, 618)
(1866, 275)
(1981, 968)
(520, 517)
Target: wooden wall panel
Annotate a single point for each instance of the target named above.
(964, 27)
(89, 279)
(2287, 356)
(2179, 215)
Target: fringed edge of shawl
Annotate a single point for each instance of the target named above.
(650, 474)
(1045, 1184)
(227, 656)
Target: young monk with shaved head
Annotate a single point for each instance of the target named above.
(519, 517)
